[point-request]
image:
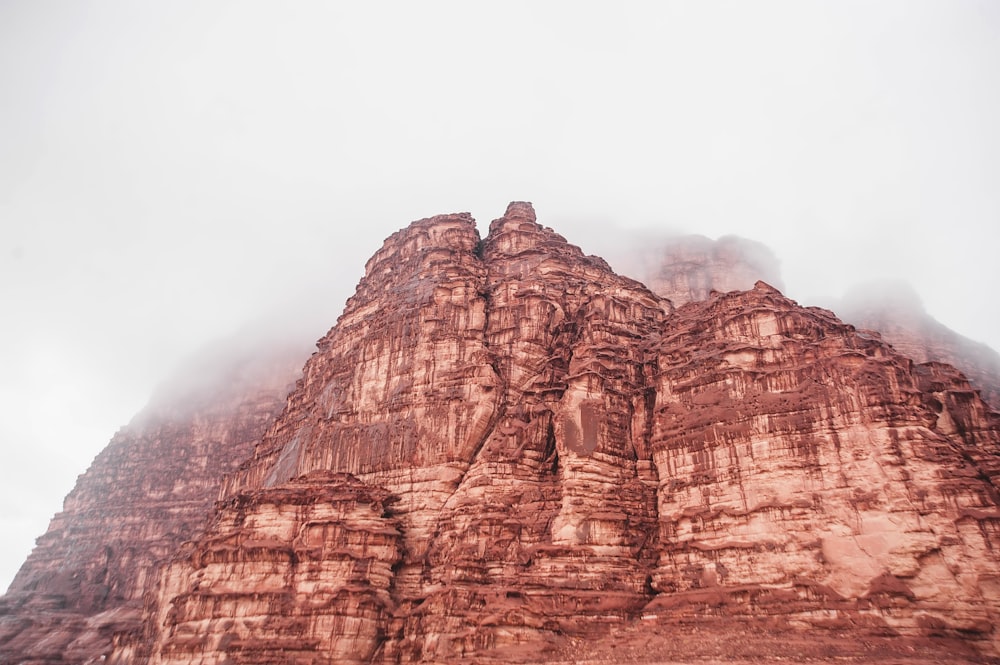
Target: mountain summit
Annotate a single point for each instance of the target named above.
(506, 452)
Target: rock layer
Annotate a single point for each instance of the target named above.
(279, 572)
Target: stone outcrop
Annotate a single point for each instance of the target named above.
(506, 452)
(151, 489)
(279, 572)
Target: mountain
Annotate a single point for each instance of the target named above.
(147, 492)
(688, 268)
(506, 452)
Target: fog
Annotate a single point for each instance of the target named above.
(689, 267)
(173, 172)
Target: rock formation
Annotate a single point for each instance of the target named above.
(810, 472)
(506, 452)
(151, 489)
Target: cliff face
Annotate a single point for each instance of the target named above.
(491, 387)
(812, 473)
(504, 451)
(151, 489)
(542, 452)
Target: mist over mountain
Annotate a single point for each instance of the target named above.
(685, 268)
(173, 175)
(505, 451)
(170, 171)
(895, 310)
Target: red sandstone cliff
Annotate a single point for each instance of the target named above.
(151, 489)
(505, 452)
(566, 461)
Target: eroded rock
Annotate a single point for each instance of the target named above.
(506, 452)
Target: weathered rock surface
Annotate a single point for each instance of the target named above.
(505, 452)
(811, 475)
(151, 489)
(689, 268)
(281, 572)
(572, 460)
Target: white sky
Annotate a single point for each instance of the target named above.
(170, 171)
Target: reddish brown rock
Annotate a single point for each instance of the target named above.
(151, 489)
(505, 452)
(547, 535)
(402, 391)
(689, 268)
(573, 461)
(812, 476)
(279, 574)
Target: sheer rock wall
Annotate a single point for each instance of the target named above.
(811, 473)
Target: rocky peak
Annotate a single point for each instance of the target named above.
(517, 232)
(517, 211)
(567, 456)
(506, 452)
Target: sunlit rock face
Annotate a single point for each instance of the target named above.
(151, 489)
(506, 452)
(570, 461)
